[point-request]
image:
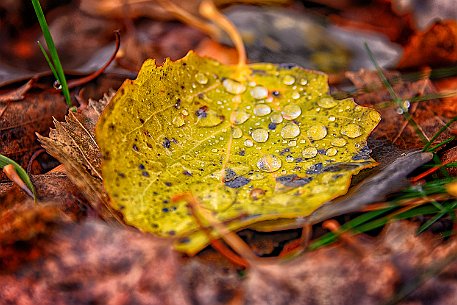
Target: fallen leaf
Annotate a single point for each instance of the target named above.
(272, 144)
(73, 144)
(20, 119)
(434, 47)
(45, 259)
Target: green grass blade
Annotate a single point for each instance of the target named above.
(20, 171)
(52, 50)
(51, 65)
(442, 129)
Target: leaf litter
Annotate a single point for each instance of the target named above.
(255, 143)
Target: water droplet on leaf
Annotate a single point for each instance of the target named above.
(262, 109)
(309, 152)
(288, 80)
(201, 78)
(338, 142)
(331, 152)
(327, 102)
(237, 132)
(238, 117)
(276, 118)
(351, 130)
(259, 92)
(291, 112)
(269, 163)
(317, 132)
(260, 135)
(233, 87)
(290, 131)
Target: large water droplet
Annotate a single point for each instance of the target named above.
(295, 95)
(276, 118)
(269, 163)
(260, 135)
(259, 92)
(237, 132)
(288, 80)
(290, 131)
(178, 121)
(262, 109)
(331, 152)
(338, 142)
(233, 87)
(309, 152)
(201, 78)
(291, 112)
(327, 102)
(317, 132)
(351, 131)
(303, 81)
(238, 117)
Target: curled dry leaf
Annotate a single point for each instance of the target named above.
(253, 143)
(73, 144)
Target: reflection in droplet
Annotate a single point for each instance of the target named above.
(291, 111)
(269, 163)
(288, 80)
(178, 121)
(237, 132)
(327, 102)
(233, 87)
(259, 92)
(57, 85)
(290, 131)
(262, 109)
(303, 81)
(260, 135)
(338, 142)
(351, 131)
(375, 116)
(331, 152)
(276, 118)
(201, 78)
(238, 117)
(248, 143)
(309, 152)
(317, 132)
(331, 118)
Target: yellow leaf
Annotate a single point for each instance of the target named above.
(260, 143)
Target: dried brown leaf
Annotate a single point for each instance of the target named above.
(73, 144)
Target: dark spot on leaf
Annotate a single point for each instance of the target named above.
(172, 232)
(287, 66)
(321, 151)
(237, 182)
(298, 160)
(135, 148)
(337, 167)
(178, 103)
(141, 166)
(315, 168)
(242, 152)
(165, 210)
(122, 175)
(284, 151)
(272, 126)
(187, 173)
(363, 154)
(141, 121)
(166, 143)
(184, 240)
(201, 96)
(111, 126)
(229, 174)
(201, 112)
(275, 93)
(168, 183)
(145, 173)
(293, 180)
